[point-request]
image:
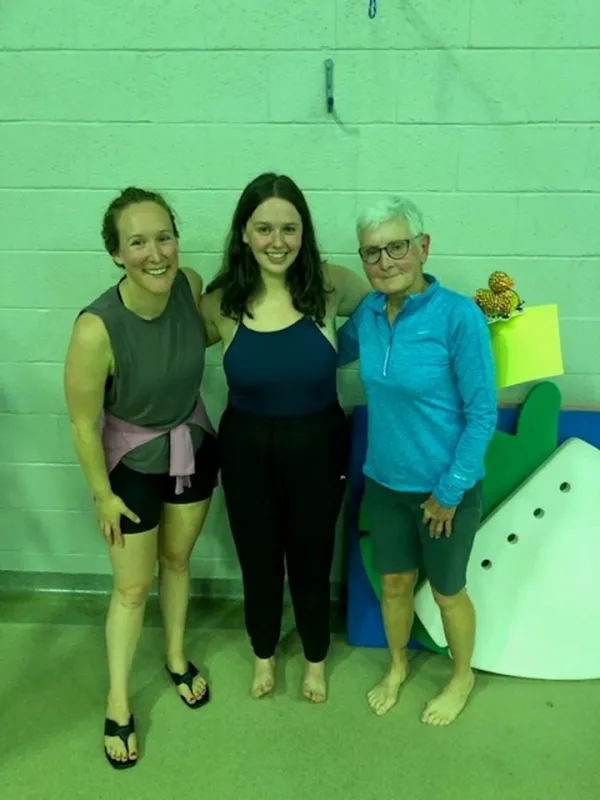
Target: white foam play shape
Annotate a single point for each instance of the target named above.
(534, 575)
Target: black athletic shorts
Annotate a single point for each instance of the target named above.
(144, 493)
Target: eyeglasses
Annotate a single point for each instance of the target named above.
(396, 250)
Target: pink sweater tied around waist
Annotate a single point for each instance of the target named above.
(120, 437)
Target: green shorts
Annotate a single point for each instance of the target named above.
(401, 541)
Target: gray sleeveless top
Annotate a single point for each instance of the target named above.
(159, 365)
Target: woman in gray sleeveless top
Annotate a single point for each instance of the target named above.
(144, 441)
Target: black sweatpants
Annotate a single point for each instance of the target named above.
(284, 482)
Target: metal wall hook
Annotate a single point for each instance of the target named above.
(329, 86)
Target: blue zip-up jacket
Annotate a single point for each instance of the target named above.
(429, 380)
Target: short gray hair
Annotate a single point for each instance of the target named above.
(390, 208)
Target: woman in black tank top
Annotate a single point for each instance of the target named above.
(137, 356)
(283, 439)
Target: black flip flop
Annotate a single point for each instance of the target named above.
(187, 678)
(112, 728)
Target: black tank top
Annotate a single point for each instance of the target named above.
(285, 373)
(159, 365)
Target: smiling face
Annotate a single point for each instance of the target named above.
(398, 269)
(274, 235)
(148, 248)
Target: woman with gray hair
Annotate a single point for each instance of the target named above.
(426, 366)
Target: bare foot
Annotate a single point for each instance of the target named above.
(264, 677)
(446, 707)
(180, 666)
(384, 695)
(115, 747)
(313, 686)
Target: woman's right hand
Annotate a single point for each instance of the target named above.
(110, 509)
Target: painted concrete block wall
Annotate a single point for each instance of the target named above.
(485, 113)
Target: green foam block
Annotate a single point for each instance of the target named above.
(510, 460)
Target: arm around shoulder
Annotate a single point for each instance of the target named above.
(210, 311)
(208, 306)
(196, 283)
(351, 289)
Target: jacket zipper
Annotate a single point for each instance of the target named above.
(388, 351)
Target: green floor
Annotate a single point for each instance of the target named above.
(518, 739)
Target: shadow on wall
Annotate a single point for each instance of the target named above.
(449, 68)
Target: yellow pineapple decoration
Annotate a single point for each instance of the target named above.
(500, 301)
(499, 282)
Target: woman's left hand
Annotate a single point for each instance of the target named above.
(439, 518)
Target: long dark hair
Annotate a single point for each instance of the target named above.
(239, 276)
